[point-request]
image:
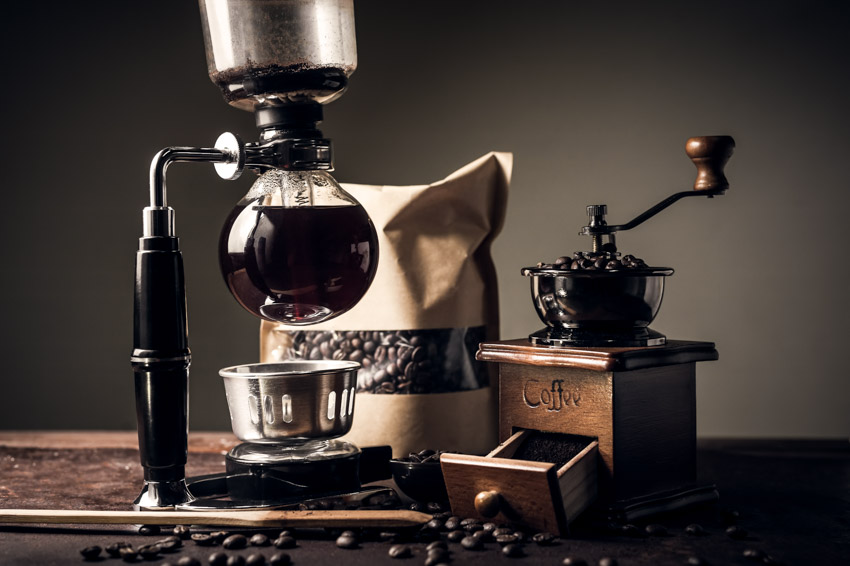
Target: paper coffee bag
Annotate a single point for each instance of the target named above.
(415, 332)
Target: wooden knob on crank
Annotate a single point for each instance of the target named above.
(710, 154)
(487, 503)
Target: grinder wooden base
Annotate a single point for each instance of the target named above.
(640, 403)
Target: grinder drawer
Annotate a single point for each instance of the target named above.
(501, 488)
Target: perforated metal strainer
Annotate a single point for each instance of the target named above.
(291, 400)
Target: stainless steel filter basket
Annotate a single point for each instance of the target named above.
(292, 400)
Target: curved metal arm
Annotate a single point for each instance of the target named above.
(158, 219)
(595, 228)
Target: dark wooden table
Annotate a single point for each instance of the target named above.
(793, 497)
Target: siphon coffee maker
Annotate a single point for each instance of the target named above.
(296, 249)
(596, 376)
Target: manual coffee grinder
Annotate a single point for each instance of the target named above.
(296, 249)
(596, 371)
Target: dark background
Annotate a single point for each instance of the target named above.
(595, 100)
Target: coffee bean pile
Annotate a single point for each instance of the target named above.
(594, 261)
(403, 361)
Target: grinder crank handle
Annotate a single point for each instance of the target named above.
(710, 154)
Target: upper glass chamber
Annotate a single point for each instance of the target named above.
(269, 52)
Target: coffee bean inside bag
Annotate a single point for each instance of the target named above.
(416, 331)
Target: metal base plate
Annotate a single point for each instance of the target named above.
(211, 494)
(583, 337)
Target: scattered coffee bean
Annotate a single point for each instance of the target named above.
(754, 554)
(148, 530)
(416, 506)
(427, 534)
(435, 524)
(573, 561)
(434, 507)
(91, 552)
(188, 561)
(437, 544)
(182, 531)
(456, 536)
(235, 560)
(697, 561)
(259, 539)
(202, 539)
(472, 527)
(437, 556)
(149, 551)
(507, 539)
(633, 531)
(255, 559)
(544, 539)
(521, 536)
(607, 561)
(219, 536)
(502, 531)
(695, 530)
(729, 516)
(483, 535)
(471, 543)
(347, 541)
(388, 536)
(737, 533)
(169, 544)
(128, 554)
(452, 523)
(512, 550)
(280, 559)
(284, 542)
(217, 559)
(114, 549)
(656, 530)
(399, 551)
(235, 542)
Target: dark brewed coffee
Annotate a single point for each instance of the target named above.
(243, 86)
(298, 265)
